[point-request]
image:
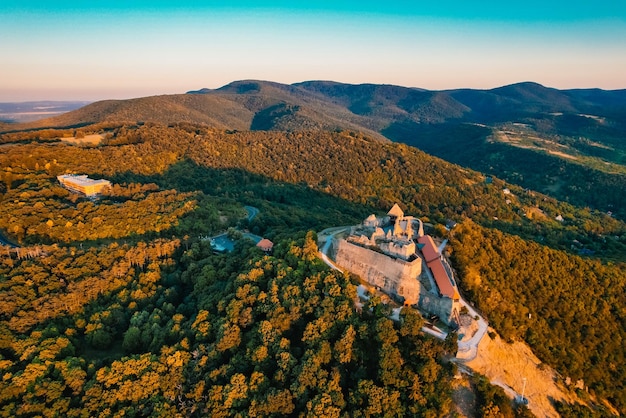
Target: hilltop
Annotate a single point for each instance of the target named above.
(368, 106)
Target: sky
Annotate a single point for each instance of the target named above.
(94, 50)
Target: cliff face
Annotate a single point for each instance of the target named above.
(393, 276)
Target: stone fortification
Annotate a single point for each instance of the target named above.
(384, 251)
(401, 249)
(445, 308)
(394, 276)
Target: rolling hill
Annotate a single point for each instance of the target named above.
(309, 156)
(331, 105)
(570, 144)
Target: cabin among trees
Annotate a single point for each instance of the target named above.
(265, 245)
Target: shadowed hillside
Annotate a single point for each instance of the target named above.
(364, 107)
(570, 144)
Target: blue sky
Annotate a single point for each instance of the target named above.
(91, 50)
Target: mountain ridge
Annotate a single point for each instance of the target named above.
(370, 107)
(542, 138)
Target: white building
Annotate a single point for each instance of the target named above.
(83, 184)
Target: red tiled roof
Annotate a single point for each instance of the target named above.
(265, 244)
(429, 250)
(441, 278)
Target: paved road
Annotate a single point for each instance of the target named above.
(323, 252)
(252, 212)
(5, 241)
(469, 349)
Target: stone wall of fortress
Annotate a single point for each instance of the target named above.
(443, 307)
(394, 276)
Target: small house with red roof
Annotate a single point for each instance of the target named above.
(265, 245)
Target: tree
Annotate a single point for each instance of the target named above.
(132, 340)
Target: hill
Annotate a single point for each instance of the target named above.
(172, 178)
(238, 106)
(127, 291)
(541, 138)
(366, 105)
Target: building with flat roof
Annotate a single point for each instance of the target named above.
(83, 184)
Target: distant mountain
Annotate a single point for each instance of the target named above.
(252, 104)
(240, 105)
(19, 112)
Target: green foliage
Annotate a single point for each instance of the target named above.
(563, 167)
(582, 411)
(309, 173)
(287, 338)
(491, 400)
(564, 306)
(133, 313)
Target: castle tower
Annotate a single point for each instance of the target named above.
(395, 213)
(371, 221)
(409, 229)
(397, 229)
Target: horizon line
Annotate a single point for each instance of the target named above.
(138, 95)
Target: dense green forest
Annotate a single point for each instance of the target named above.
(584, 177)
(242, 164)
(570, 310)
(151, 330)
(117, 307)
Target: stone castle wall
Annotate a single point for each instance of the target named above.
(393, 276)
(443, 307)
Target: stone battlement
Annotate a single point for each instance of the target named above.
(383, 251)
(394, 276)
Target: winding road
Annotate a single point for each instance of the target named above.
(467, 350)
(5, 241)
(323, 253)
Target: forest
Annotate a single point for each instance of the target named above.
(124, 310)
(570, 310)
(192, 158)
(592, 176)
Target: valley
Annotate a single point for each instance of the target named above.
(22, 112)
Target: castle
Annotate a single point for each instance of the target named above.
(393, 254)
